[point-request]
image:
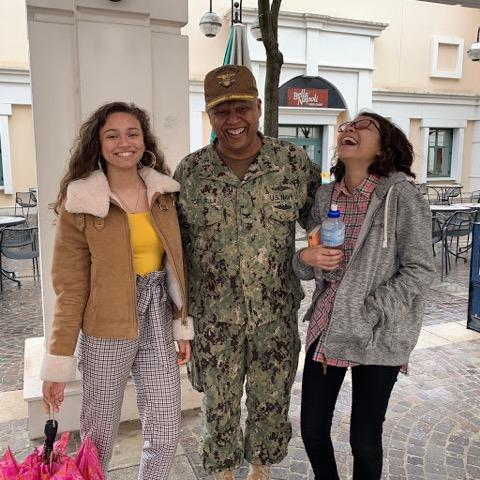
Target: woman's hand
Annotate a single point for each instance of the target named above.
(322, 257)
(52, 395)
(184, 350)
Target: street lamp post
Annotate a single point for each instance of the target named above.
(474, 51)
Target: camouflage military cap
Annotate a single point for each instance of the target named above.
(229, 82)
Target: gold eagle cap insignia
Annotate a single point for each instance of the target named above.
(226, 79)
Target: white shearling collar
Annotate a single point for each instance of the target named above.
(92, 195)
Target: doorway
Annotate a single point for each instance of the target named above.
(309, 137)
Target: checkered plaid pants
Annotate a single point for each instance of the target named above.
(106, 363)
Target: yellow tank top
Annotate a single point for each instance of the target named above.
(147, 247)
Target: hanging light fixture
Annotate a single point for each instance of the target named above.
(210, 23)
(474, 51)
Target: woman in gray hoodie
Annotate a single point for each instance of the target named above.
(367, 315)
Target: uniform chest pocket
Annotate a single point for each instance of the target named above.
(280, 220)
(282, 212)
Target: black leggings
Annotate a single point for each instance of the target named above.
(371, 389)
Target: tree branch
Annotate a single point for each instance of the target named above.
(266, 26)
(275, 10)
(268, 19)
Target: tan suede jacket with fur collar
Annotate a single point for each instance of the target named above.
(92, 271)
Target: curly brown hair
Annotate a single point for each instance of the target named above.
(396, 151)
(86, 152)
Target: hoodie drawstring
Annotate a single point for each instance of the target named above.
(385, 219)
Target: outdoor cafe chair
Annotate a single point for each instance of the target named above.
(18, 244)
(25, 200)
(439, 237)
(475, 198)
(458, 226)
(450, 194)
(437, 233)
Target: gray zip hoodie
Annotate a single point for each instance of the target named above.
(379, 305)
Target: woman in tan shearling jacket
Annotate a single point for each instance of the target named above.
(119, 279)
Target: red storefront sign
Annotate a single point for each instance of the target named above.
(307, 97)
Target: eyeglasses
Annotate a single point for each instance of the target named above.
(361, 124)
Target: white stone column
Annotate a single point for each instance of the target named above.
(457, 155)
(422, 174)
(474, 183)
(84, 53)
(328, 147)
(197, 108)
(5, 112)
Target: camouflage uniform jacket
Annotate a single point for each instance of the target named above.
(239, 235)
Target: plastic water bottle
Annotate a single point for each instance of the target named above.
(333, 236)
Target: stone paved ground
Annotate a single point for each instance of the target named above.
(20, 318)
(431, 430)
(432, 426)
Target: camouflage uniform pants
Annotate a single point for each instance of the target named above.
(224, 356)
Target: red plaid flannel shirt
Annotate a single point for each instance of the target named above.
(353, 207)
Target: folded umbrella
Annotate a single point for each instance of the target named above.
(50, 461)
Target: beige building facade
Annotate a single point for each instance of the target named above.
(405, 59)
(381, 55)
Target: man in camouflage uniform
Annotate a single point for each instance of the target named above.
(239, 201)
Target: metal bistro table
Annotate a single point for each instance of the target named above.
(450, 209)
(446, 211)
(446, 191)
(455, 207)
(6, 221)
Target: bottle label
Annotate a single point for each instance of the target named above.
(333, 237)
(333, 242)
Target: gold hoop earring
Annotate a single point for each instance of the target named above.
(152, 163)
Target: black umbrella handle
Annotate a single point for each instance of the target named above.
(51, 428)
